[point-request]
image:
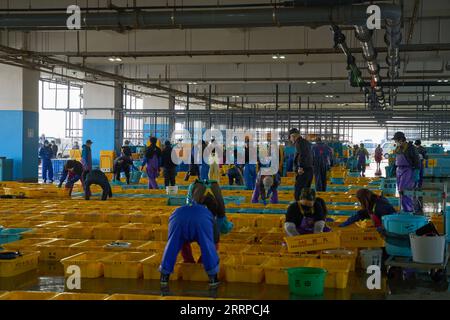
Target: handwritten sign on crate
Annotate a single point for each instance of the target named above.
(313, 242)
(361, 239)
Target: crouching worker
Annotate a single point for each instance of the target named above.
(266, 187)
(235, 175)
(73, 172)
(201, 220)
(373, 207)
(306, 216)
(99, 178)
(123, 163)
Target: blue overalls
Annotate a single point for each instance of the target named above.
(46, 155)
(191, 223)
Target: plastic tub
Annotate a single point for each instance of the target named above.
(27, 295)
(127, 265)
(107, 232)
(337, 271)
(89, 263)
(341, 254)
(80, 296)
(313, 242)
(137, 231)
(244, 269)
(265, 250)
(172, 190)
(26, 262)
(153, 246)
(26, 244)
(428, 249)
(151, 268)
(275, 269)
(371, 257)
(306, 281)
(57, 249)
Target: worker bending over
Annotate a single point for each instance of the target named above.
(373, 207)
(306, 216)
(201, 220)
(123, 164)
(97, 177)
(73, 172)
(266, 187)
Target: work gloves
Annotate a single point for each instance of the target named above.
(416, 175)
(225, 226)
(350, 221)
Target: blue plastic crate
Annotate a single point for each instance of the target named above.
(337, 180)
(58, 167)
(7, 238)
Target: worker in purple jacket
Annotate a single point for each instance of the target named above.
(151, 159)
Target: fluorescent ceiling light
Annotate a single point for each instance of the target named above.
(282, 57)
(275, 57)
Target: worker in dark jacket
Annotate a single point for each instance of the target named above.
(169, 167)
(54, 149)
(407, 165)
(322, 159)
(73, 171)
(306, 216)
(46, 155)
(373, 207)
(303, 162)
(249, 167)
(86, 156)
(123, 163)
(99, 178)
(422, 156)
(126, 150)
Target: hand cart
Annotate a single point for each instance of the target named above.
(396, 265)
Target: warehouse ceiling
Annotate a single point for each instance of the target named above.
(249, 66)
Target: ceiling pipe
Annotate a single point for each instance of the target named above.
(364, 35)
(211, 18)
(392, 38)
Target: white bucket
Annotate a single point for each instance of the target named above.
(172, 190)
(427, 249)
(371, 257)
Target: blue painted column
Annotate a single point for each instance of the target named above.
(19, 120)
(101, 123)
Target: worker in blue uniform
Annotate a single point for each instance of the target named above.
(249, 168)
(322, 161)
(204, 167)
(46, 155)
(201, 220)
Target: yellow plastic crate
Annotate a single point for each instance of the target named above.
(313, 242)
(26, 244)
(138, 231)
(273, 239)
(89, 245)
(341, 254)
(242, 238)
(95, 217)
(80, 231)
(244, 268)
(117, 218)
(361, 239)
(151, 268)
(89, 263)
(28, 295)
(119, 296)
(243, 220)
(133, 246)
(337, 271)
(45, 233)
(265, 250)
(160, 233)
(80, 296)
(27, 262)
(231, 248)
(153, 246)
(269, 221)
(57, 249)
(193, 272)
(275, 269)
(184, 298)
(126, 265)
(107, 232)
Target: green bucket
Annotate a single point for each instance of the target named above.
(306, 281)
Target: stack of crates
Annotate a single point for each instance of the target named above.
(107, 160)
(389, 186)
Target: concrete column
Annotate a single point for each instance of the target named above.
(19, 120)
(101, 123)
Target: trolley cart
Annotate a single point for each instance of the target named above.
(396, 265)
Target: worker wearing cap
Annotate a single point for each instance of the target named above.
(86, 156)
(46, 155)
(303, 162)
(266, 187)
(307, 215)
(407, 165)
(126, 150)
